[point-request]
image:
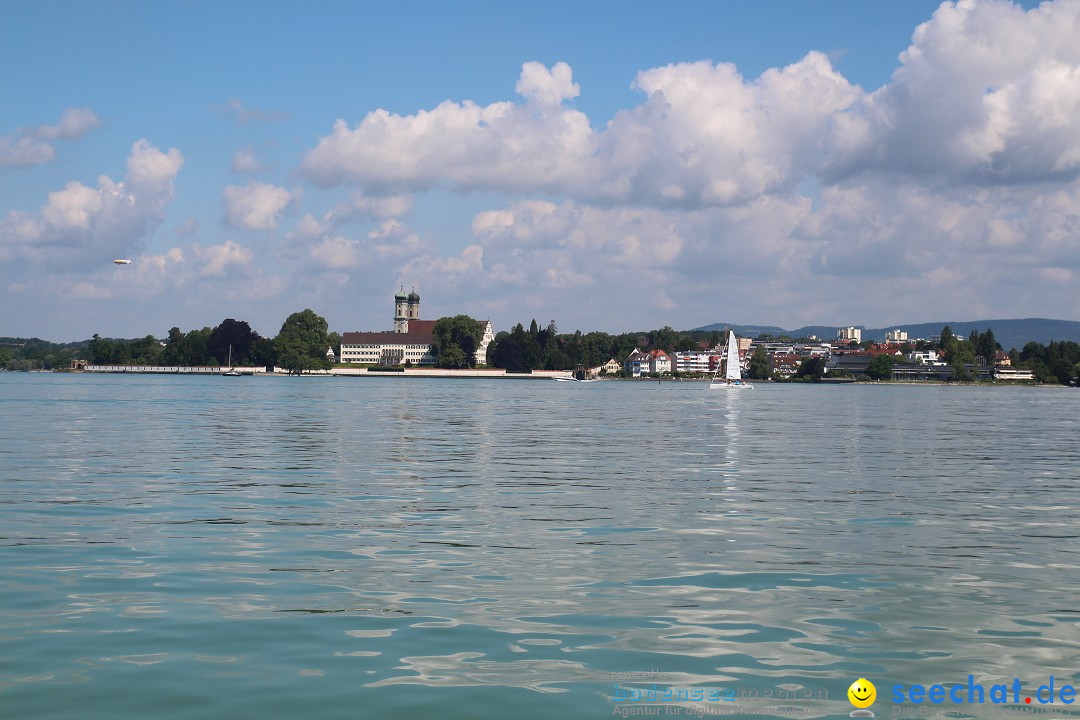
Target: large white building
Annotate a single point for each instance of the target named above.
(409, 341)
(697, 361)
(849, 334)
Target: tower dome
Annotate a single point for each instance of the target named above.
(413, 297)
(401, 295)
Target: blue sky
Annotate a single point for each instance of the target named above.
(608, 165)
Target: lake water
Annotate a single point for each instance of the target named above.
(209, 547)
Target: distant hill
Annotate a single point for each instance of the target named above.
(29, 343)
(746, 330)
(1010, 333)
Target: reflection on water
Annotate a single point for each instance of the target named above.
(461, 549)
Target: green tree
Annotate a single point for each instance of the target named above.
(235, 334)
(455, 341)
(959, 373)
(986, 346)
(1053, 363)
(264, 352)
(812, 369)
(146, 351)
(301, 344)
(195, 352)
(453, 357)
(174, 348)
(881, 367)
(946, 337)
(99, 351)
(527, 342)
(508, 355)
(664, 339)
(760, 367)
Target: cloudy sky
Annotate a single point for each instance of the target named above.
(610, 165)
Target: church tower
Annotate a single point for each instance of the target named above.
(414, 305)
(401, 312)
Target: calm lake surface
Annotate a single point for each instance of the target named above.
(210, 547)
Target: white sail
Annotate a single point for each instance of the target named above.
(734, 372)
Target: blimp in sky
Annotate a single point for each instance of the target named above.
(122, 262)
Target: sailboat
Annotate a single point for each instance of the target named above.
(733, 372)
(232, 372)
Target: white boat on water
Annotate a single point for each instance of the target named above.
(579, 375)
(732, 379)
(233, 372)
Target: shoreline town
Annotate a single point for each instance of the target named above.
(411, 350)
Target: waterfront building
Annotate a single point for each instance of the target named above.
(924, 357)
(694, 361)
(653, 361)
(410, 340)
(1014, 374)
(847, 365)
(916, 372)
(636, 363)
(785, 364)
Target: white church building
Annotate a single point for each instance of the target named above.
(409, 341)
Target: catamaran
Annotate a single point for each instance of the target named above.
(732, 372)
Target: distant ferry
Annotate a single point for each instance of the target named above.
(122, 262)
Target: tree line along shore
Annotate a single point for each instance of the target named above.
(301, 346)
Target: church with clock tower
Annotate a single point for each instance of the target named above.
(409, 341)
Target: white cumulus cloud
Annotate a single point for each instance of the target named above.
(32, 146)
(461, 145)
(547, 87)
(258, 206)
(703, 136)
(218, 260)
(81, 224)
(987, 93)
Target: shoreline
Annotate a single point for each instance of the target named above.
(495, 374)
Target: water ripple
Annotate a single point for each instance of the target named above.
(459, 549)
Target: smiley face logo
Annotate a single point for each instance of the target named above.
(862, 693)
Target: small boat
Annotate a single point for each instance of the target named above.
(733, 372)
(579, 376)
(232, 372)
